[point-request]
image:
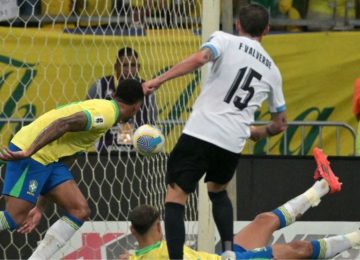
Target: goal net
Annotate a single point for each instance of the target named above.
(51, 53)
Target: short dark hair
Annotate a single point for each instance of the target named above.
(253, 19)
(127, 51)
(143, 217)
(129, 91)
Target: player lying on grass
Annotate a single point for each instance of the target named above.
(35, 163)
(252, 241)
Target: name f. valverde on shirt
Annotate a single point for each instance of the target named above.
(241, 76)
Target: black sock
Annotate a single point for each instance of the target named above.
(175, 229)
(223, 217)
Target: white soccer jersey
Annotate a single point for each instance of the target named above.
(242, 75)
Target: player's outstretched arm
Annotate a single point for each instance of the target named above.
(186, 66)
(277, 125)
(73, 123)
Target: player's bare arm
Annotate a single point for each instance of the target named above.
(186, 66)
(73, 123)
(278, 124)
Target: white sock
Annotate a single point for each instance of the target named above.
(321, 187)
(300, 204)
(3, 221)
(335, 245)
(6, 221)
(55, 238)
(354, 238)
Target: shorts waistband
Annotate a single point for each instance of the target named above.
(13, 147)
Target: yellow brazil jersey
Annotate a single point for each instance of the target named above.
(102, 115)
(159, 251)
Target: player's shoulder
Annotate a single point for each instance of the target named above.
(218, 42)
(222, 35)
(100, 106)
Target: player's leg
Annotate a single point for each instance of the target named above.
(15, 213)
(222, 167)
(296, 207)
(259, 231)
(175, 201)
(62, 189)
(22, 184)
(293, 250)
(222, 211)
(331, 246)
(185, 169)
(316, 249)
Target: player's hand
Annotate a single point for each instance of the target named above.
(150, 86)
(124, 256)
(32, 220)
(7, 155)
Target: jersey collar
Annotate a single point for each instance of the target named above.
(147, 249)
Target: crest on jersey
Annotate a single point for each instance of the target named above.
(33, 185)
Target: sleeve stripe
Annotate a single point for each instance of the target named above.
(213, 50)
(281, 108)
(117, 111)
(88, 116)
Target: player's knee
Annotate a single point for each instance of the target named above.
(266, 218)
(81, 212)
(218, 197)
(176, 194)
(85, 212)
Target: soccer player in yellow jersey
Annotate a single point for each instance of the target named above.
(252, 241)
(35, 163)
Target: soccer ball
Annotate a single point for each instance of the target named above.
(148, 140)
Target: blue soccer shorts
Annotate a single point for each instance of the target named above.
(257, 253)
(26, 179)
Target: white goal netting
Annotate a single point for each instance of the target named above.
(51, 53)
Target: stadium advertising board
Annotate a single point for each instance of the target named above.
(42, 69)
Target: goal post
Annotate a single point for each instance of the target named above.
(210, 23)
(212, 12)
